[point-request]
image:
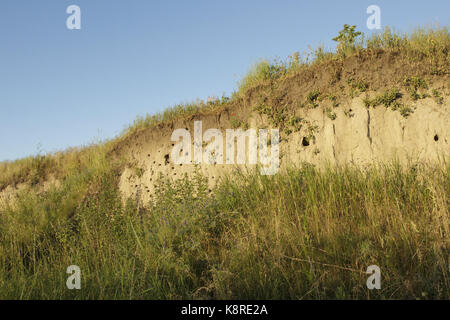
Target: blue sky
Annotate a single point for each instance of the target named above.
(61, 88)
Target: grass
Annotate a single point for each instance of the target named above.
(430, 45)
(388, 99)
(276, 116)
(356, 87)
(170, 114)
(438, 96)
(412, 84)
(331, 114)
(333, 99)
(312, 98)
(302, 234)
(36, 169)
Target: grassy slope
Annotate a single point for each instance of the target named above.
(301, 234)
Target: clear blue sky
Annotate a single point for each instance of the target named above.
(61, 88)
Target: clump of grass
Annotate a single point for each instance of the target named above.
(267, 71)
(388, 99)
(387, 39)
(405, 111)
(437, 96)
(30, 169)
(139, 172)
(333, 98)
(311, 130)
(238, 123)
(356, 87)
(413, 84)
(313, 97)
(276, 116)
(235, 123)
(320, 54)
(178, 111)
(423, 44)
(36, 169)
(331, 114)
(296, 123)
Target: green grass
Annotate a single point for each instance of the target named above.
(388, 99)
(312, 98)
(356, 87)
(302, 234)
(331, 114)
(334, 100)
(170, 114)
(36, 169)
(438, 96)
(413, 84)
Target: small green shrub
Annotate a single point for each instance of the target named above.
(437, 96)
(139, 172)
(296, 123)
(405, 111)
(346, 39)
(413, 84)
(313, 97)
(276, 116)
(357, 87)
(388, 99)
(331, 114)
(235, 123)
(333, 99)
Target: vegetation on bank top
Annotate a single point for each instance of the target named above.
(430, 46)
